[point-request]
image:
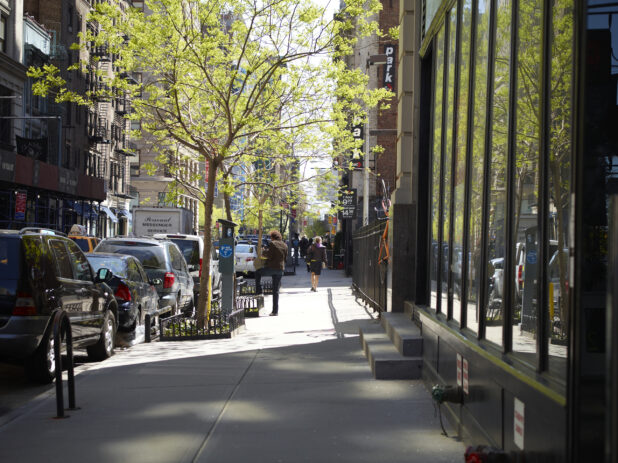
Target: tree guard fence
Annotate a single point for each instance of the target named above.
(369, 277)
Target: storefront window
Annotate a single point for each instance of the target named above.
(558, 283)
(481, 43)
(494, 307)
(434, 257)
(460, 157)
(448, 156)
(526, 181)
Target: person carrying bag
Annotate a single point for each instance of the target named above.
(316, 258)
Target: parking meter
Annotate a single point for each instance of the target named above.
(226, 264)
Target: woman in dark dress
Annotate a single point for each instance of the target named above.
(316, 257)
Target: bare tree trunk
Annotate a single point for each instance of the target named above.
(203, 308)
(228, 206)
(259, 245)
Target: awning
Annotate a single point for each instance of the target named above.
(109, 213)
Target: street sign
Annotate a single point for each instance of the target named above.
(348, 203)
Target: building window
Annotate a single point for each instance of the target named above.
(477, 163)
(5, 124)
(3, 21)
(526, 181)
(461, 147)
(449, 118)
(134, 170)
(496, 238)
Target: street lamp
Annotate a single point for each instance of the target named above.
(372, 59)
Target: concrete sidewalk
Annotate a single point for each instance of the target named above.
(292, 388)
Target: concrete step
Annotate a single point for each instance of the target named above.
(404, 334)
(385, 361)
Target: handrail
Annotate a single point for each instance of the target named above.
(61, 324)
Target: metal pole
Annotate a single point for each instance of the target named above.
(366, 177)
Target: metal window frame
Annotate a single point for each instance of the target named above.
(468, 167)
(453, 148)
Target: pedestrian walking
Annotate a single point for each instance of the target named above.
(316, 258)
(274, 257)
(303, 245)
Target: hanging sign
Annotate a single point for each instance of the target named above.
(20, 205)
(389, 68)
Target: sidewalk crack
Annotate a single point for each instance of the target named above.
(223, 409)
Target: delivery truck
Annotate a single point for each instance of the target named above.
(148, 221)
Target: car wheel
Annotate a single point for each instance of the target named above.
(104, 348)
(41, 366)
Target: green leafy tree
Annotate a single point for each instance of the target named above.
(221, 78)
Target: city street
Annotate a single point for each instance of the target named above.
(290, 388)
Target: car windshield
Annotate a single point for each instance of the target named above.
(190, 250)
(10, 263)
(151, 257)
(117, 265)
(82, 243)
(244, 248)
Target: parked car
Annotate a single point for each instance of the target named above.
(42, 271)
(135, 293)
(192, 248)
(245, 255)
(161, 260)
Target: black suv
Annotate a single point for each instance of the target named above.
(162, 260)
(42, 271)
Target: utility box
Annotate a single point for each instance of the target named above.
(226, 264)
(148, 221)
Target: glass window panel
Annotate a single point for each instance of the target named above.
(435, 168)
(448, 157)
(497, 175)
(460, 157)
(526, 180)
(477, 162)
(559, 177)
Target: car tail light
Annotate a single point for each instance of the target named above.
(123, 292)
(168, 281)
(24, 305)
(200, 267)
(520, 274)
(249, 259)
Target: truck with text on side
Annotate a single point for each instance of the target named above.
(148, 221)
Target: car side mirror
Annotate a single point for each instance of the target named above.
(156, 282)
(104, 275)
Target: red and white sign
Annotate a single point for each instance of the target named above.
(459, 370)
(518, 424)
(20, 205)
(465, 376)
